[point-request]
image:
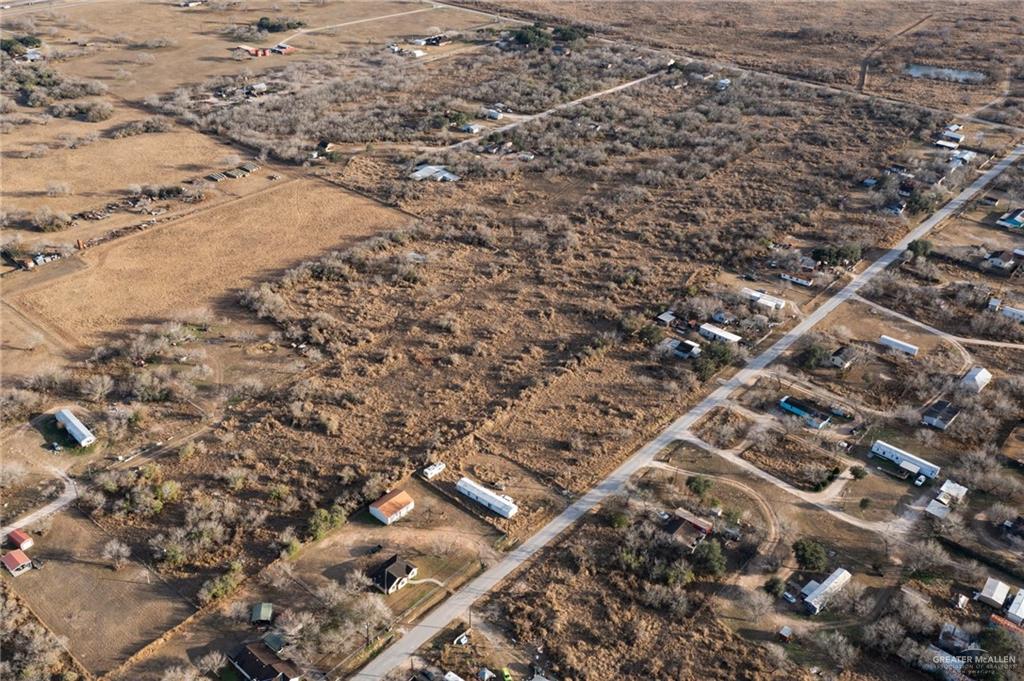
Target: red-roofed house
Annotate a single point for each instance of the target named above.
(16, 562)
(19, 539)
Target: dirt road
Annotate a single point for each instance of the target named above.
(399, 653)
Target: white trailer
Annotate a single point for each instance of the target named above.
(75, 428)
(712, 332)
(896, 344)
(764, 299)
(499, 503)
(820, 596)
(905, 459)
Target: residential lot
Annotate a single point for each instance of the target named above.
(428, 247)
(106, 615)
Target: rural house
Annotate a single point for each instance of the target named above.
(812, 414)
(75, 428)
(898, 345)
(843, 357)
(1001, 260)
(16, 562)
(940, 415)
(666, 318)
(432, 172)
(1015, 611)
(976, 379)
(20, 539)
(680, 349)
(763, 299)
(392, 507)
(257, 662)
(688, 528)
(914, 465)
(819, 597)
(499, 503)
(393, 574)
(951, 492)
(712, 332)
(799, 279)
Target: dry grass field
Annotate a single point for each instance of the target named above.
(105, 615)
(205, 259)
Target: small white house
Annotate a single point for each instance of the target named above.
(976, 379)
(499, 503)
(764, 299)
(950, 492)
(432, 172)
(714, 333)
(896, 344)
(666, 318)
(75, 428)
(392, 507)
(994, 593)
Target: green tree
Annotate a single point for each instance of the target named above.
(708, 559)
(859, 472)
(920, 247)
(699, 485)
(810, 555)
(775, 586)
(814, 356)
(865, 503)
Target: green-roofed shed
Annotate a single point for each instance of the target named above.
(262, 613)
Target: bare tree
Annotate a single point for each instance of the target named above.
(758, 603)
(117, 552)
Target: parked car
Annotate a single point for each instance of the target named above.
(920, 481)
(788, 597)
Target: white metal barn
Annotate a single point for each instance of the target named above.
(976, 379)
(994, 593)
(896, 344)
(499, 503)
(75, 428)
(900, 457)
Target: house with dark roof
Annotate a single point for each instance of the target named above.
(843, 357)
(940, 415)
(257, 662)
(393, 574)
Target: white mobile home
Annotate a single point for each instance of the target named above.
(75, 428)
(499, 503)
(896, 344)
(712, 332)
(1014, 313)
(764, 299)
(797, 279)
(906, 460)
(832, 585)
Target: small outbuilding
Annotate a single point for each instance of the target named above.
(20, 539)
(262, 613)
(1015, 611)
(976, 379)
(843, 357)
(994, 593)
(433, 470)
(16, 562)
(940, 415)
(392, 507)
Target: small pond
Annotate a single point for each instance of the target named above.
(940, 73)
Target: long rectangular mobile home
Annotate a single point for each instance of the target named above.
(499, 503)
(900, 457)
(712, 332)
(896, 344)
(75, 428)
(833, 584)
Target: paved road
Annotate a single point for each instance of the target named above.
(399, 653)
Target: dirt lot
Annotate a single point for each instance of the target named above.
(794, 461)
(204, 259)
(106, 615)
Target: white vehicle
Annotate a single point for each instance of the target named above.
(920, 481)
